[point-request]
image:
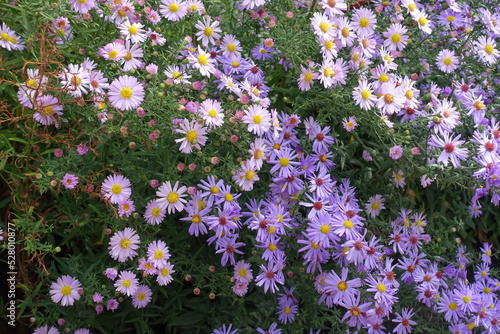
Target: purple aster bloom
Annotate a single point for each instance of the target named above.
(286, 311)
(466, 298)
(270, 276)
(447, 305)
(343, 290)
(272, 329)
(322, 184)
(228, 246)
(319, 206)
(404, 321)
(321, 139)
(285, 162)
(486, 253)
(396, 152)
(320, 231)
(70, 181)
(223, 223)
(112, 305)
(225, 330)
(356, 313)
(261, 52)
(450, 149)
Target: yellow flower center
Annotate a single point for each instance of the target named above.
(208, 31)
(327, 72)
(212, 113)
(375, 205)
(342, 286)
(471, 325)
(388, 98)
(133, 30)
(126, 93)
(128, 56)
(126, 283)
(113, 54)
(422, 21)
(409, 94)
(82, 1)
(272, 247)
(203, 60)
(116, 189)
(12, 40)
(345, 32)
(323, 26)
(164, 272)
(66, 290)
(126, 207)
(125, 243)
(235, 64)
(76, 81)
(243, 272)
(383, 78)
(271, 230)
(487, 290)
(48, 110)
(325, 229)
(308, 76)
(381, 287)
(173, 7)
(191, 135)
(399, 176)
(231, 47)
(155, 212)
(365, 94)
(447, 61)
(452, 306)
(348, 224)
(4, 36)
(287, 310)
(214, 190)
(412, 7)
(488, 49)
(466, 299)
(328, 45)
(396, 38)
(284, 162)
(450, 18)
(257, 119)
(487, 253)
(364, 22)
(141, 296)
(228, 197)
(158, 254)
(196, 219)
(249, 175)
(172, 197)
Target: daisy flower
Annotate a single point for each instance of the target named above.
(164, 276)
(126, 93)
(396, 152)
(322, 26)
(156, 38)
(363, 95)
(450, 149)
(132, 31)
(203, 62)
(207, 32)
(9, 40)
(171, 198)
(112, 51)
(399, 180)
(112, 305)
(334, 8)
(391, 99)
(132, 58)
(395, 37)
(194, 135)
(158, 253)
(173, 10)
(142, 296)
(195, 6)
(404, 322)
(126, 208)
(375, 205)
(486, 49)
(154, 214)
(69, 181)
(258, 151)
(47, 109)
(177, 74)
(246, 177)
(211, 112)
(230, 46)
(446, 61)
(364, 21)
(123, 244)
(153, 17)
(258, 119)
(116, 188)
(243, 272)
(65, 290)
(46, 330)
(82, 6)
(286, 311)
(270, 277)
(306, 78)
(75, 80)
(423, 22)
(349, 124)
(126, 283)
